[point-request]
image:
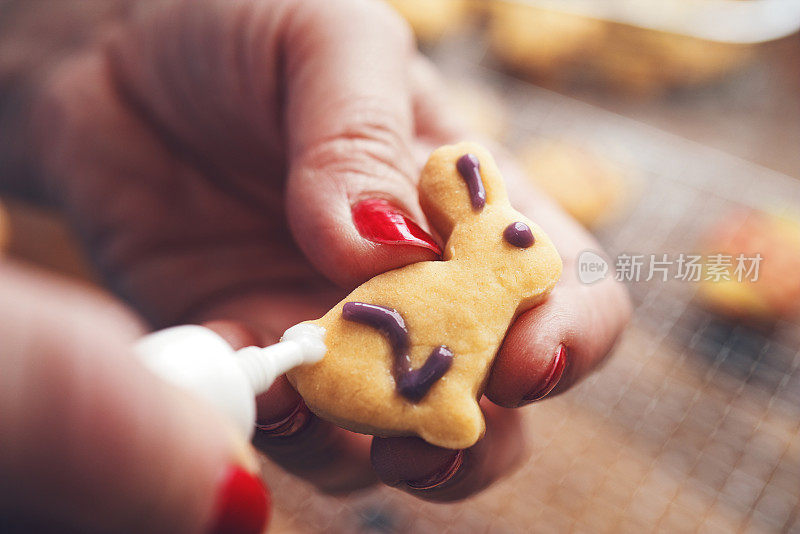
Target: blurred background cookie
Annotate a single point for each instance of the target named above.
(638, 60)
(560, 47)
(589, 186)
(540, 42)
(775, 292)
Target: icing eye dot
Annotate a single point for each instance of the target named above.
(519, 235)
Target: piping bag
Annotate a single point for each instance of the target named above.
(200, 361)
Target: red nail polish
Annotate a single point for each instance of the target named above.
(380, 221)
(440, 476)
(552, 378)
(243, 504)
(289, 425)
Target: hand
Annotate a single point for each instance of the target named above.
(91, 441)
(211, 152)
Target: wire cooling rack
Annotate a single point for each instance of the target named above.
(693, 425)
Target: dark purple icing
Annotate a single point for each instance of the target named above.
(413, 384)
(388, 321)
(469, 167)
(519, 235)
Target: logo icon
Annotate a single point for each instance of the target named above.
(591, 267)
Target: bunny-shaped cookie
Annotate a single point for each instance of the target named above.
(409, 351)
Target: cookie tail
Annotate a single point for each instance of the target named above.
(414, 384)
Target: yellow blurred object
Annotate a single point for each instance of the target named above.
(432, 19)
(588, 186)
(4, 229)
(556, 47)
(646, 61)
(529, 39)
(776, 291)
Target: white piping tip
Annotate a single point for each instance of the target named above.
(311, 338)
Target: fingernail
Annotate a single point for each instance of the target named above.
(288, 425)
(380, 221)
(551, 378)
(243, 504)
(440, 476)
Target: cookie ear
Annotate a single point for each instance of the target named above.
(456, 185)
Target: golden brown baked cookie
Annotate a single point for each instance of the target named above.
(409, 351)
(559, 48)
(776, 291)
(589, 187)
(539, 41)
(647, 62)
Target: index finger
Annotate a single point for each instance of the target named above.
(350, 135)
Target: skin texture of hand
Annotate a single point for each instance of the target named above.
(91, 441)
(209, 152)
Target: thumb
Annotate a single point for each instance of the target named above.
(92, 441)
(352, 196)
